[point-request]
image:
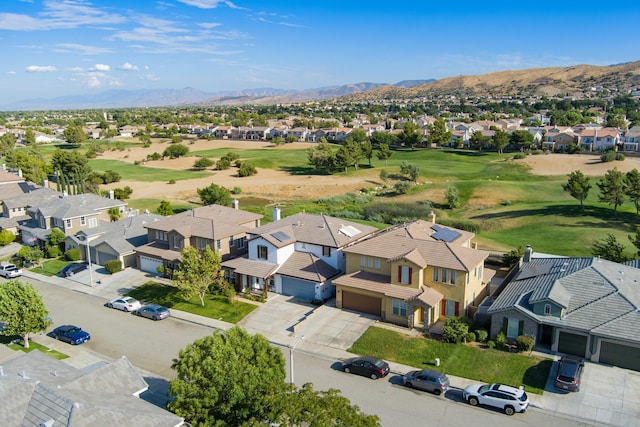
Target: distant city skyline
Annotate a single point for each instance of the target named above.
(53, 48)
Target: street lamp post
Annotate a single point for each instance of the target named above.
(291, 349)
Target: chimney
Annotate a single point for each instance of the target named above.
(111, 194)
(45, 183)
(527, 254)
(276, 214)
(432, 217)
(235, 203)
(20, 173)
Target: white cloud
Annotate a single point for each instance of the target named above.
(40, 68)
(102, 67)
(59, 14)
(11, 72)
(151, 77)
(96, 79)
(209, 24)
(82, 49)
(75, 69)
(128, 67)
(209, 4)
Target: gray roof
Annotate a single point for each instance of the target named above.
(251, 267)
(37, 388)
(598, 296)
(314, 229)
(307, 266)
(24, 194)
(75, 206)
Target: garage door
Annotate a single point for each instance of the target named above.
(362, 303)
(572, 344)
(149, 265)
(620, 355)
(103, 257)
(299, 288)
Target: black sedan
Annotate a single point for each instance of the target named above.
(367, 366)
(71, 334)
(72, 269)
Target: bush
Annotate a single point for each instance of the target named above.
(175, 151)
(236, 190)
(608, 157)
(53, 251)
(482, 335)
(402, 187)
(491, 344)
(501, 341)
(223, 164)
(455, 330)
(113, 266)
(247, 170)
(524, 343)
(620, 156)
(154, 156)
(6, 237)
(172, 181)
(518, 156)
(72, 254)
(203, 162)
(471, 337)
(512, 257)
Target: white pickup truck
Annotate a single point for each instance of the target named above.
(9, 270)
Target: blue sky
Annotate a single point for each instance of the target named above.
(53, 48)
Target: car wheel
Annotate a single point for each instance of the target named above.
(374, 376)
(473, 401)
(109, 305)
(509, 410)
(437, 392)
(408, 384)
(125, 309)
(347, 370)
(155, 317)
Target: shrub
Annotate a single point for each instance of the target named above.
(72, 254)
(620, 156)
(518, 156)
(471, 337)
(172, 181)
(608, 157)
(501, 340)
(53, 251)
(491, 344)
(402, 187)
(6, 237)
(482, 335)
(203, 162)
(154, 156)
(524, 343)
(512, 257)
(175, 151)
(236, 190)
(455, 330)
(113, 266)
(247, 170)
(223, 164)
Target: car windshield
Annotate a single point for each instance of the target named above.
(523, 398)
(379, 364)
(484, 388)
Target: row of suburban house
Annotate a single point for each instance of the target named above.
(413, 274)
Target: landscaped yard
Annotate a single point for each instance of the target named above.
(216, 306)
(9, 342)
(50, 267)
(466, 361)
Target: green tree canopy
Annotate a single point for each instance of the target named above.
(500, 140)
(522, 139)
(384, 153)
(410, 135)
(6, 237)
(410, 169)
(175, 150)
(198, 272)
(612, 189)
(632, 184)
(578, 186)
(215, 194)
(321, 156)
(74, 134)
(165, 208)
(22, 310)
(609, 249)
(438, 133)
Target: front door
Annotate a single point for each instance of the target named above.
(546, 335)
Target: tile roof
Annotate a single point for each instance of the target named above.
(376, 283)
(31, 197)
(307, 266)
(76, 205)
(313, 229)
(599, 296)
(251, 267)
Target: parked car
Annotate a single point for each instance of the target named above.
(10, 271)
(507, 398)
(569, 373)
(153, 311)
(71, 334)
(367, 366)
(125, 304)
(427, 380)
(72, 269)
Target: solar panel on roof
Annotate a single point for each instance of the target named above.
(444, 234)
(349, 230)
(281, 236)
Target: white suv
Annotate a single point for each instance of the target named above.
(507, 398)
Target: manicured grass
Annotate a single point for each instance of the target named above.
(216, 306)
(483, 365)
(35, 346)
(50, 267)
(153, 204)
(130, 171)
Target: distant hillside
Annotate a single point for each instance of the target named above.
(534, 81)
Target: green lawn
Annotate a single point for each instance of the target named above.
(483, 365)
(130, 171)
(216, 306)
(35, 346)
(50, 267)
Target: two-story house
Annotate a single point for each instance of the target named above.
(67, 213)
(413, 274)
(223, 229)
(298, 256)
(589, 307)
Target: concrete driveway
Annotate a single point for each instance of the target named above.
(283, 317)
(608, 396)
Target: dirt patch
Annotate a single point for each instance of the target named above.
(279, 186)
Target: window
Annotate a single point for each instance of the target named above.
(547, 309)
(326, 251)
(452, 277)
(443, 275)
(83, 221)
(370, 262)
(161, 235)
(201, 243)
(513, 328)
(219, 244)
(435, 274)
(231, 242)
(399, 308)
(177, 241)
(67, 223)
(363, 261)
(262, 252)
(241, 241)
(377, 263)
(93, 222)
(404, 274)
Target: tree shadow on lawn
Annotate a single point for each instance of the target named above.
(303, 170)
(608, 219)
(536, 376)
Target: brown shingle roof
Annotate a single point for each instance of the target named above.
(376, 283)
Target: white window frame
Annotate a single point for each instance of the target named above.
(547, 309)
(83, 221)
(405, 275)
(68, 223)
(399, 307)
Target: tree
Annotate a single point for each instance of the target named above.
(29, 137)
(438, 133)
(452, 196)
(512, 257)
(384, 153)
(500, 140)
(410, 135)
(578, 186)
(7, 143)
(165, 208)
(22, 310)
(632, 182)
(478, 140)
(6, 237)
(226, 379)
(175, 150)
(214, 194)
(322, 156)
(410, 169)
(610, 249)
(367, 150)
(199, 272)
(114, 214)
(30, 254)
(522, 139)
(636, 240)
(379, 138)
(74, 134)
(55, 242)
(612, 189)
